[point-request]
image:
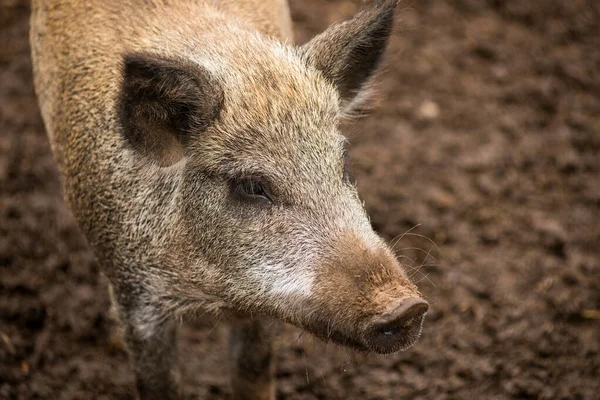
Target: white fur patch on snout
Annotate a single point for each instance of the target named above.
(283, 280)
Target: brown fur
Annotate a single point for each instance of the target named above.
(202, 159)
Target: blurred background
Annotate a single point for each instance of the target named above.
(482, 159)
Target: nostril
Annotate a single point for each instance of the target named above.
(398, 329)
(410, 310)
(402, 318)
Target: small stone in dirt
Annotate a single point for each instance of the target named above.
(500, 73)
(590, 314)
(428, 111)
(551, 234)
(441, 199)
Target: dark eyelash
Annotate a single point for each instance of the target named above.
(252, 190)
(253, 187)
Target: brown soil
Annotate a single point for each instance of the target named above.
(487, 141)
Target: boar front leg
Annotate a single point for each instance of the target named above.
(151, 343)
(251, 359)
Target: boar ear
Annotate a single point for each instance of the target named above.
(163, 103)
(349, 52)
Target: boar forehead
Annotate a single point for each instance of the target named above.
(280, 121)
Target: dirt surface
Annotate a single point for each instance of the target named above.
(486, 141)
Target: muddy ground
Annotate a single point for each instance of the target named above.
(486, 141)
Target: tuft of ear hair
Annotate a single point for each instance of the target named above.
(348, 53)
(163, 103)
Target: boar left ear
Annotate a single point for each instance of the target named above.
(349, 52)
(163, 103)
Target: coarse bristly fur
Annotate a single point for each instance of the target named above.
(199, 150)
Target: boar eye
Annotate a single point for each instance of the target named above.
(251, 189)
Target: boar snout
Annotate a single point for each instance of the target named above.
(398, 329)
(385, 333)
(364, 298)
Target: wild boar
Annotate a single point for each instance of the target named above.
(201, 154)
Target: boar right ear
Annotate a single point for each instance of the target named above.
(164, 102)
(349, 52)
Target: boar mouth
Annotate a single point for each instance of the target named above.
(365, 345)
(342, 339)
(384, 334)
